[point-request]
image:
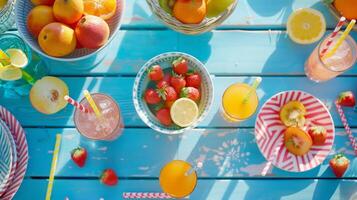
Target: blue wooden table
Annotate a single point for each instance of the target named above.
(252, 42)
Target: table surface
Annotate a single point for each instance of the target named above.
(252, 42)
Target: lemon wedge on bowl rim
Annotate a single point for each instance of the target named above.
(10, 73)
(17, 57)
(184, 112)
(306, 26)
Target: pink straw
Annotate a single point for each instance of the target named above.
(76, 104)
(146, 195)
(347, 128)
(333, 35)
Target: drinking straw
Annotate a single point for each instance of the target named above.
(195, 168)
(27, 77)
(333, 35)
(77, 105)
(254, 86)
(340, 40)
(53, 167)
(92, 103)
(347, 127)
(146, 195)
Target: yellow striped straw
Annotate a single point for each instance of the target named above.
(340, 40)
(53, 167)
(92, 103)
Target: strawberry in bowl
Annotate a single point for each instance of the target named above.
(173, 92)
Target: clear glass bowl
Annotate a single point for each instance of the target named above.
(7, 16)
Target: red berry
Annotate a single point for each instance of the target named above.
(180, 66)
(190, 92)
(167, 93)
(151, 96)
(339, 164)
(155, 73)
(318, 135)
(347, 99)
(79, 156)
(193, 80)
(178, 82)
(163, 115)
(162, 84)
(167, 77)
(109, 177)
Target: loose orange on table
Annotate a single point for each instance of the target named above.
(190, 11)
(347, 8)
(100, 8)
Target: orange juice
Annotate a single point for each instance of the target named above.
(175, 181)
(239, 102)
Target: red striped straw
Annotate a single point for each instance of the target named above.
(76, 104)
(347, 127)
(332, 36)
(146, 195)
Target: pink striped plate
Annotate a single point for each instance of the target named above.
(269, 132)
(19, 136)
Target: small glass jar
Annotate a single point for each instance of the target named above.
(7, 16)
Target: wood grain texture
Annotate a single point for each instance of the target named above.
(206, 189)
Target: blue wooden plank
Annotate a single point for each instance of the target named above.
(250, 14)
(120, 88)
(226, 153)
(206, 189)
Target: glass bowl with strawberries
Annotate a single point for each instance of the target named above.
(173, 92)
(192, 17)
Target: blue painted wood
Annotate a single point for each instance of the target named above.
(206, 189)
(226, 153)
(120, 88)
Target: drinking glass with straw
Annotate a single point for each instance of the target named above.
(333, 56)
(240, 101)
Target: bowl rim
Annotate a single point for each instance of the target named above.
(39, 51)
(136, 97)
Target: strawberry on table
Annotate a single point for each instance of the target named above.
(163, 115)
(191, 93)
(193, 79)
(79, 156)
(346, 99)
(180, 66)
(151, 96)
(178, 82)
(155, 73)
(339, 164)
(167, 93)
(109, 177)
(318, 135)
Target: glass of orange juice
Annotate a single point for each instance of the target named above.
(178, 179)
(240, 101)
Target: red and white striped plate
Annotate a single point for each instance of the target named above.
(269, 132)
(19, 136)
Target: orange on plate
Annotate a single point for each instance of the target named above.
(347, 8)
(100, 8)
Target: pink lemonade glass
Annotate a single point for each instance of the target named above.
(108, 127)
(320, 70)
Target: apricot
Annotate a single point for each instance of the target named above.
(43, 2)
(57, 39)
(38, 18)
(47, 95)
(190, 11)
(92, 32)
(68, 11)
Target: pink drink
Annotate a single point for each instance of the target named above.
(108, 127)
(344, 58)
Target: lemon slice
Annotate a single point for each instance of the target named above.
(4, 58)
(10, 73)
(306, 26)
(18, 58)
(184, 112)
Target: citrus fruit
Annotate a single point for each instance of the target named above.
(347, 8)
(4, 58)
(184, 112)
(18, 58)
(10, 73)
(100, 8)
(306, 26)
(297, 141)
(293, 114)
